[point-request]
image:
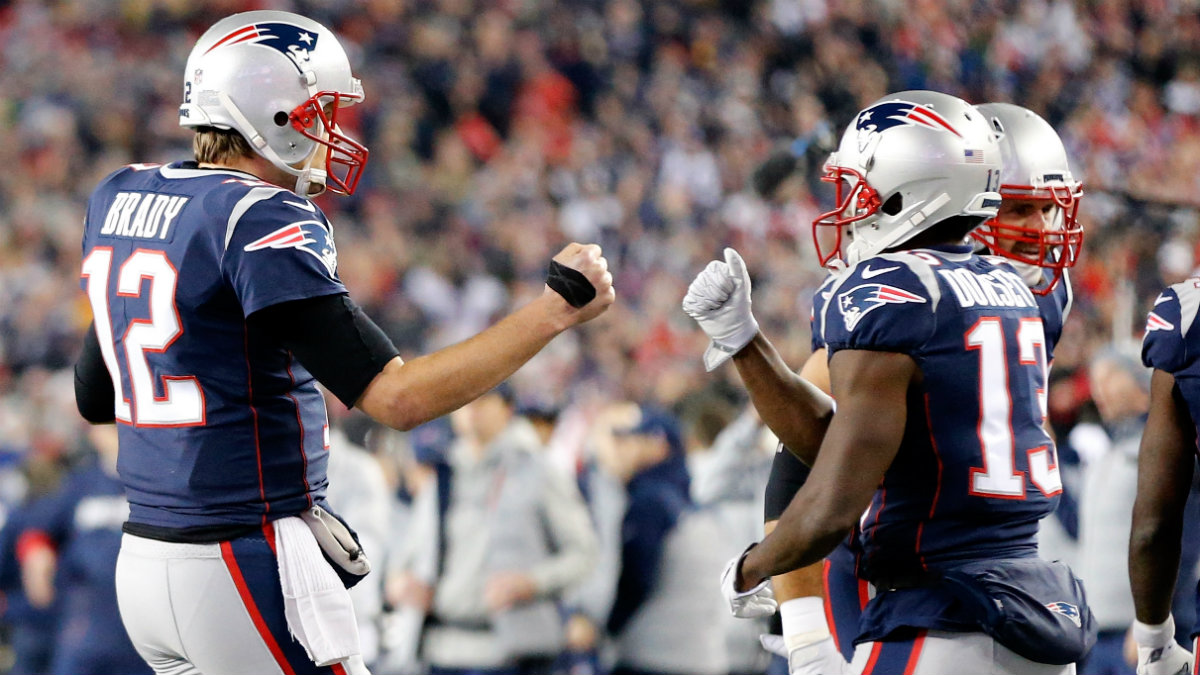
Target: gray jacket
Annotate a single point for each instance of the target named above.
(1105, 518)
(507, 511)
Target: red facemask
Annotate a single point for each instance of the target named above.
(345, 157)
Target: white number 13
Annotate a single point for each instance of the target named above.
(182, 402)
(998, 477)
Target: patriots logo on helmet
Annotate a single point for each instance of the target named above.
(309, 236)
(1156, 322)
(856, 302)
(288, 39)
(879, 118)
(1068, 610)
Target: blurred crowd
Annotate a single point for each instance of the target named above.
(501, 129)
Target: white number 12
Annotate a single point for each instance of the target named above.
(182, 402)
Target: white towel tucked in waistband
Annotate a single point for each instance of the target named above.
(319, 613)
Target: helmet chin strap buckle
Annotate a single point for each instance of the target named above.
(309, 178)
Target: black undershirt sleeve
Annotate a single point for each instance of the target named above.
(332, 337)
(788, 475)
(93, 383)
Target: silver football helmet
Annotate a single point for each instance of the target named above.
(278, 79)
(1035, 167)
(906, 163)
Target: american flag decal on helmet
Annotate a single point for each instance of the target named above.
(288, 39)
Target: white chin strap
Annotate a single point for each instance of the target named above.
(310, 181)
(1031, 274)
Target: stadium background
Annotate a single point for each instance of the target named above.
(501, 129)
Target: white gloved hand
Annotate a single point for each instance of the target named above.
(1158, 653)
(806, 643)
(818, 658)
(752, 604)
(719, 300)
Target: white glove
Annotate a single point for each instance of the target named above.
(1158, 653)
(806, 643)
(719, 300)
(752, 604)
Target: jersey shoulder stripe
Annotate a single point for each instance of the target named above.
(254, 196)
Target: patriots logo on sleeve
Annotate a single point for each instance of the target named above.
(879, 118)
(1068, 610)
(856, 302)
(309, 236)
(288, 39)
(1156, 322)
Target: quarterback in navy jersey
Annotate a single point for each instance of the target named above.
(961, 488)
(217, 309)
(1166, 462)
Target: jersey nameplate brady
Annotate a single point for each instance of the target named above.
(142, 215)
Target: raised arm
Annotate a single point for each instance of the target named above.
(406, 394)
(792, 405)
(796, 410)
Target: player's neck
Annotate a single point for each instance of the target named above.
(255, 166)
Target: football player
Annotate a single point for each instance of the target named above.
(807, 637)
(1165, 466)
(217, 308)
(1038, 229)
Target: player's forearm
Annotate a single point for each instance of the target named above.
(793, 408)
(407, 394)
(801, 583)
(1154, 552)
(809, 529)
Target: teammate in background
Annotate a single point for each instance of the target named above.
(69, 549)
(1166, 461)
(217, 308)
(1037, 228)
(880, 212)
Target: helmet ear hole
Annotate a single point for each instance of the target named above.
(281, 119)
(893, 205)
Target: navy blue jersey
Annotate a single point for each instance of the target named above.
(1054, 308)
(219, 426)
(975, 471)
(1172, 340)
